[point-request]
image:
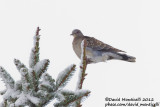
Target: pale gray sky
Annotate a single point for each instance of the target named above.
(130, 25)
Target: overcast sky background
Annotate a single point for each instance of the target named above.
(130, 25)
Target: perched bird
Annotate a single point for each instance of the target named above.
(96, 50)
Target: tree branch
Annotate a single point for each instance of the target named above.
(83, 67)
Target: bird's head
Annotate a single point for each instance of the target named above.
(76, 33)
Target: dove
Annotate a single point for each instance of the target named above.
(96, 50)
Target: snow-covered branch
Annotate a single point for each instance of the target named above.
(36, 88)
(34, 56)
(47, 83)
(7, 79)
(82, 74)
(64, 76)
(83, 65)
(71, 99)
(41, 67)
(18, 64)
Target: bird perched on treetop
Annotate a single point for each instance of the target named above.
(96, 50)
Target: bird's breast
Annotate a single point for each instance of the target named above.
(77, 46)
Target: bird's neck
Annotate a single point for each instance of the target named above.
(77, 36)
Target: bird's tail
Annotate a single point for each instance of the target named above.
(127, 57)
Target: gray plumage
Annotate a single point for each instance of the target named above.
(96, 50)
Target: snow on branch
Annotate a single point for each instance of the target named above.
(33, 99)
(78, 95)
(18, 64)
(82, 74)
(33, 79)
(64, 76)
(36, 88)
(41, 67)
(8, 80)
(3, 104)
(3, 92)
(83, 65)
(34, 56)
(47, 83)
(21, 101)
(25, 80)
(67, 92)
(60, 96)
(24, 99)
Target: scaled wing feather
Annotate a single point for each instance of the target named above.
(99, 45)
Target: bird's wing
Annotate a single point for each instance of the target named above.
(99, 45)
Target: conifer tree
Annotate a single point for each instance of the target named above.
(37, 88)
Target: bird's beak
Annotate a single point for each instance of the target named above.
(71, 34)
